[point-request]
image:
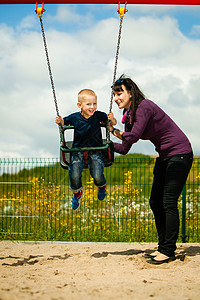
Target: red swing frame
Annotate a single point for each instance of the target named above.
(164, 2)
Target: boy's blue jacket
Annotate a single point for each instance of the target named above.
(87, 132)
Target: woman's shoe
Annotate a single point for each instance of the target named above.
(153, 261)
(147, 255)
(151, 255)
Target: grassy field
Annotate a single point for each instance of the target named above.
(35, 203)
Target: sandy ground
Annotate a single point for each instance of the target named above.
(96, 271)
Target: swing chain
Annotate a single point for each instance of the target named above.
(115, 66)
(49, 66)
(51, 77)
(121, 11)
(116, 62)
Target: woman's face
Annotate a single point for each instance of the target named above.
(122, 98)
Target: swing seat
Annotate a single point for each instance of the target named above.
(66, 149)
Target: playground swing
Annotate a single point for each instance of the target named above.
(66, 147)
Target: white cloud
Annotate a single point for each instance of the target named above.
(195, 30)
(153, 51)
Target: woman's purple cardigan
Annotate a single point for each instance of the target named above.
(153, 124)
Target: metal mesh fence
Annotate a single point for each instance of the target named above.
(35, 202)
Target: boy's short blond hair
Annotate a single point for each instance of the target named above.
(83, 94)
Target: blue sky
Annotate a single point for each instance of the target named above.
(160, 50)
(187, 16)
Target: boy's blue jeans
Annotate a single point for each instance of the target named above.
(95, 165)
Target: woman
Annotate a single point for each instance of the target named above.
(144, 120)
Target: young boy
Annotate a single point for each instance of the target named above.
(87, 133)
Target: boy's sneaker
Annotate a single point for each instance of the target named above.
(101, 192)
(76, 199)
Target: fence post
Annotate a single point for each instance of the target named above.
(184, 214)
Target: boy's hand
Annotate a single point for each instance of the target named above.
(112, 119)
(59, 120)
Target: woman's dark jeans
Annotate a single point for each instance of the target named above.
(170, 174)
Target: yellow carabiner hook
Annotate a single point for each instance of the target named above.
(122, 10)
(40, 10)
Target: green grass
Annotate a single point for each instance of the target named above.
(32, 199)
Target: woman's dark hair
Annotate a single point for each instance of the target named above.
(136, 94)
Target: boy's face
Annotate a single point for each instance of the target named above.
(88, 106)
